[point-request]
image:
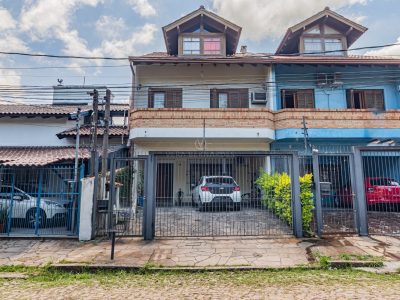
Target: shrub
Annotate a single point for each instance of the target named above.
(277, 196)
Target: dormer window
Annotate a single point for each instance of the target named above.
(323, 40)
(325, 33)
(202, 44)
(191, 46)
(201, 33)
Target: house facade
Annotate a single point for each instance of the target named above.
(205, 94)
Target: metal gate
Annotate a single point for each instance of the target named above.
(122, 209)
(40, 201)
(223, 194)
(334, 182)
(380, 188)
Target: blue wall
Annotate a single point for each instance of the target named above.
(303, 77)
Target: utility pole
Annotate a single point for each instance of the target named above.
(78, 127)
(95, 120)
(107, 99)
(94, 158)
(306, 137)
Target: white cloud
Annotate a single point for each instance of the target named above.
(9, 42)
(143, 7)
(109, 26)
(265, 19)
(127, 46)
(7, 21)
(44, 18)
(387, 51)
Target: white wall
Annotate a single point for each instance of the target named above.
(196, 81)
(33, 132)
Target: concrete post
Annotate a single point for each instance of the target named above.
(296, 202)
(149, 209)
(86, 209)
(318, 204)
(360, 202)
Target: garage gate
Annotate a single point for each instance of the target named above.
(221, 194)
(185, 194)
(358, 192)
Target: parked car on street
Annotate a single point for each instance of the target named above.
(24, 206)
(216, 191)
(379, 191)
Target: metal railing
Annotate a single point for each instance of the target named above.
(40, 201)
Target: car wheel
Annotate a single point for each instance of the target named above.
(236, 206)
(31, 219)
(201, 206)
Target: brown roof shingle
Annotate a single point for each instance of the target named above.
(50, 110)
(85, 131)
(39, 156)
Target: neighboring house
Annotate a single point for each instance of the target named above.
(202, 95)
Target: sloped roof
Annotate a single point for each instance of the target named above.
(48, 110)
(351, 29)
(85, 131)
(263, 58)
(172, 30)
(39, 156)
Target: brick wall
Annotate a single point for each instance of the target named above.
(336, 118)
(194, 118)
(262, 118)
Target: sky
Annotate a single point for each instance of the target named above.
(119, 28)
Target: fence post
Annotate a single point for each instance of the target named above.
(149, 201)
(296, 202)
(318, 204)
(360, 193)
(111, 197)
(38, 202)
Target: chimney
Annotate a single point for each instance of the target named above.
(243, 49)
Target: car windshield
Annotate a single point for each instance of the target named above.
(384, 182)
(220, 180)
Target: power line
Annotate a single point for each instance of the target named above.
(126, 58)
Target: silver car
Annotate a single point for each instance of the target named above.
(216, 191)
(24, 206)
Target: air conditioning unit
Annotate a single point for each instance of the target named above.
(329, 80)
(258, 97)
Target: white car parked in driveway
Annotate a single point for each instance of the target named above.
(216, 191)
(24, 206)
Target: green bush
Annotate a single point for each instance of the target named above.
(277, 196)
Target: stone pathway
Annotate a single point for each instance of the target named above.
(207, 252)
(194, 252)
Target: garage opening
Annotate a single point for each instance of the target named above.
(223, 194)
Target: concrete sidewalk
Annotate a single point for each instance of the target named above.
(194, 252)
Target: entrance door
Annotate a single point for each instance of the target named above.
(165, 184)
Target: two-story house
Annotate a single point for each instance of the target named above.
(203, 95)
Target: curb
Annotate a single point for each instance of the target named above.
(342, 264)
(75, 268)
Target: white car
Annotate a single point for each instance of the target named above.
(216, 191)
(24, 206)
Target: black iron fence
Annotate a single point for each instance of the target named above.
(180, 194)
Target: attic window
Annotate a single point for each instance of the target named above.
(202, 44)
(212, 45)
(191, 45)
(323, 40)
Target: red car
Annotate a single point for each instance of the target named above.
(378, 191)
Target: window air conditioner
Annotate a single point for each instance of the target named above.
(258, 97)
(331, 80)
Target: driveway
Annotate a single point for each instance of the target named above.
(188, 221)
